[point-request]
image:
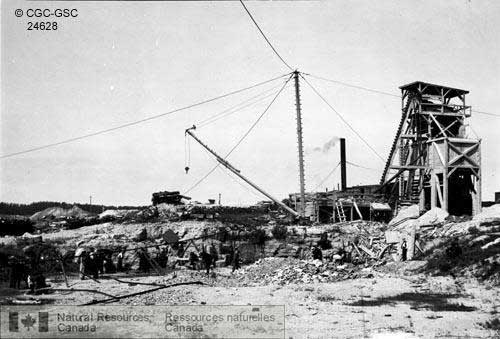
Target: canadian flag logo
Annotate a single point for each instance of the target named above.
(29, 321)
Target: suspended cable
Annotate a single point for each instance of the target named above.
(356, 165)
(139, 121)
(353, 86)
(264, 36)
(240, 140)
(379, 91)
(343, 119)
(259, 118)
(230, 175)
(235, 109)
(486, 113)
(186, 166)
(326, 178)
(199, 181)
(236, 105)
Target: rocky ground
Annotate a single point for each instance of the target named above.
(441, 293)
(400, 304)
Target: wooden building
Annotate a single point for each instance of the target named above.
(434, 161)
(354, 203)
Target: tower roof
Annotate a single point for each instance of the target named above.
(433, 89)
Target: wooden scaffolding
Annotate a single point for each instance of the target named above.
(433, 162)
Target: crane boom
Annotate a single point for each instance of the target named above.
(230, 167)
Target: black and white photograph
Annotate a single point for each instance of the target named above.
(249, 169)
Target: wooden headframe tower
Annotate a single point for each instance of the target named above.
(433, 162)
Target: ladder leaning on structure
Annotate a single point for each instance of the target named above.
(340, 211)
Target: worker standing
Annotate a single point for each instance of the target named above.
(180, 250)
(316, 253)
(236, 259)
(119, 260)
(143, 260)
(214, 255)
(15, 275)
(193, 260)
(83, 261)
(162, 257)
(207, 260)
(93, 264)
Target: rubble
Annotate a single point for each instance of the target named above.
(118, 213)
(488, 214)
(435, 215)
(281, 271)
(409, 212)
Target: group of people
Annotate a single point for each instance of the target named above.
(146, 262)
(342, 255)
(26, 269)
(93, 262)
(210, 256)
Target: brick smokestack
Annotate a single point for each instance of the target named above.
(343, 178)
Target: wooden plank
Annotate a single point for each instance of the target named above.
(367, 251)
(463, 154)
(357, 209)
(445, 178)
(433, 190)
(409, 167)
(438, 189)
(356, 248)
(443, 114)
(440, 156)
(438, 125)
(383, 250)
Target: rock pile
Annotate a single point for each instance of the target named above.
(281, 271)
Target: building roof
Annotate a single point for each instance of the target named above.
(434, 89)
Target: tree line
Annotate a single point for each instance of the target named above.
(30, 209)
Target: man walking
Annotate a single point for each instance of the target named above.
(236, 259)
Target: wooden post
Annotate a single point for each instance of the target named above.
(64, 272)
(357, 209)
(445, 175)
(333, 207)
(478, 181)
(421, 199)
(410, 243)
(433, 189)
(300, 146)
(439, 192)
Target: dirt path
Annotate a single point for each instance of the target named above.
(383, 306)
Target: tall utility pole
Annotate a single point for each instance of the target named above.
(302, 208)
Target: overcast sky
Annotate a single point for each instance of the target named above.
(118, 62)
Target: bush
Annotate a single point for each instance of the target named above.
(279, 232)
